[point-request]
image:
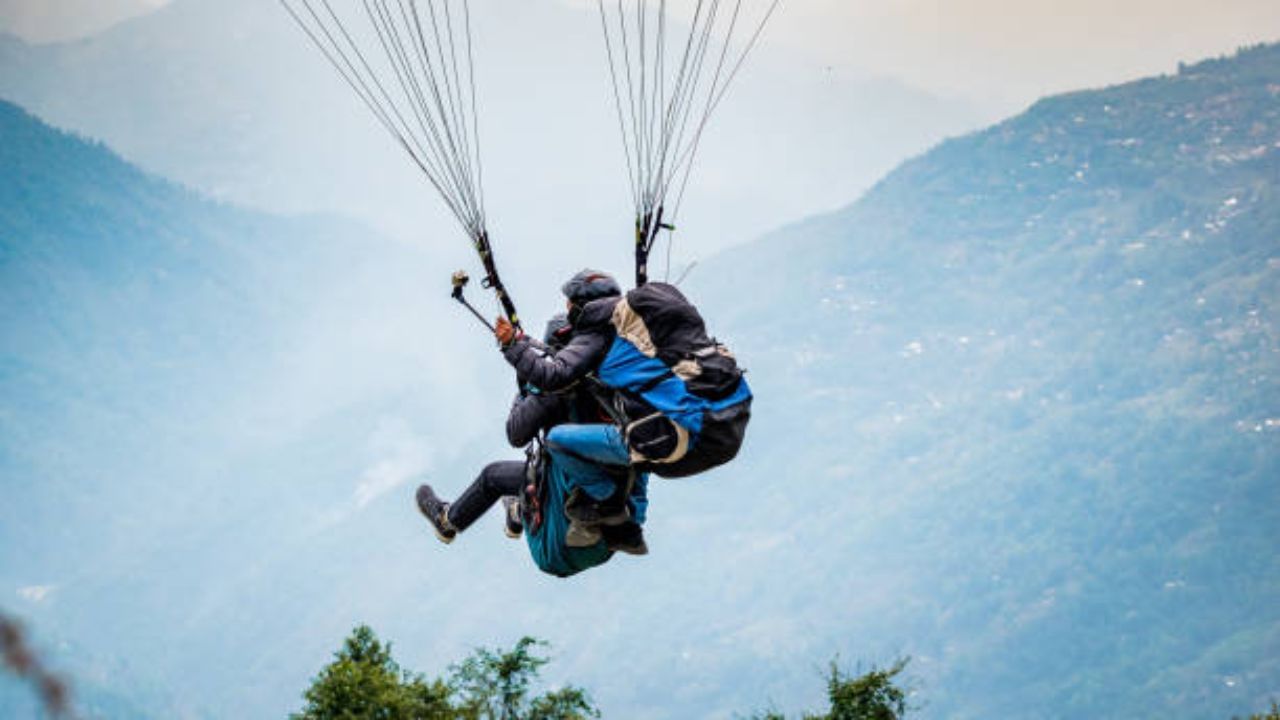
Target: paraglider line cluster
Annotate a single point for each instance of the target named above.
(421, 88)
(665, 94)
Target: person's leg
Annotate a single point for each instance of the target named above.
(639, 499)
(627, 537)
(597, 443)
(448, 519)
(512, 516)
(495, 481)
(589, 481)
(598, 499)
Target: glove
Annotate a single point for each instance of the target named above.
(505, 332)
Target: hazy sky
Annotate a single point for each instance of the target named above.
(1016, 49)
(1003, 52)
(51, 20)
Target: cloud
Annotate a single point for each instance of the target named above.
(36, 593)
(400, 455)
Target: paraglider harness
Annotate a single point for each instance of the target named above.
(534, 497)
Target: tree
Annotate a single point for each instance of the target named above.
(565, 704)
(872, 696)
(494, 685)
(364, 683)
(1273, 715)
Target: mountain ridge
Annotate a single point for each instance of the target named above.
(1069, 318)
(154, 345)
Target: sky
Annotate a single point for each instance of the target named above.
(1012, 50)
(54, 20)
(999, 52)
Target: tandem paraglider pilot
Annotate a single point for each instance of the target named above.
(631, 385)
(576, 496)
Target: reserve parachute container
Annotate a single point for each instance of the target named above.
(681, 398)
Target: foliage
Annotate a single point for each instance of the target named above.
(873, 695)
(494, 685)
(364, 683)
(569, 703)
(1274, 714)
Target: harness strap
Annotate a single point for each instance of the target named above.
(608, 399)
(654, 382)
(536, 484)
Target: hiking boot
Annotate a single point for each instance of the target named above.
(512, 522)
(627, 538)
(437, 513)
(580, 534)
(582, 508)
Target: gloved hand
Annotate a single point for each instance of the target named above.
(504, 331)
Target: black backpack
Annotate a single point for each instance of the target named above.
(680, 396)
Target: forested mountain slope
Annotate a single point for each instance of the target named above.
(155, 348)
(1027, 390)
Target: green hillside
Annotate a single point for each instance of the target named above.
(127, 301)
(1029, 388)
(139, 326)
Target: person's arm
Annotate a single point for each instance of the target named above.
(543, 350)
(530, 414)
(557, 372)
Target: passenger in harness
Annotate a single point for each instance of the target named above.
(534, 492)
(678, 399)
(591, 296)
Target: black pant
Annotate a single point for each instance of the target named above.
(497, 479)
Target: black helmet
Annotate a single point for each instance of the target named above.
(590, 285)
(558, 331)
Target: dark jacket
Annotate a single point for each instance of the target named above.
(538, 411)
(531, 414)
(592, 336)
